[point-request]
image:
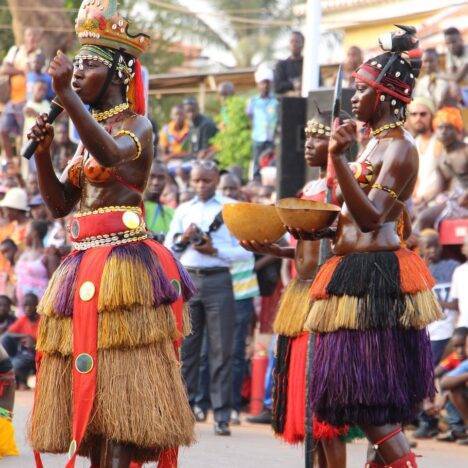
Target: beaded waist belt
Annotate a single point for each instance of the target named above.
(113, 225)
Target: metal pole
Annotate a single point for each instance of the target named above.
(310, 70)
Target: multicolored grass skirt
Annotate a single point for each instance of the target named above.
(289, 392)
(140, 397)
(372, 360)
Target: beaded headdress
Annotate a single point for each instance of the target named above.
(100, 23)
(105, 37)
(393, 76)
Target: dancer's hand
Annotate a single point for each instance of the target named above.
(341, 138)
(43, 133)
(61, 71)
(266, 248)
(300, 234)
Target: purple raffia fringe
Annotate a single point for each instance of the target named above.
(163, 291)
(188, 287)
(371, 377)
(67, 272)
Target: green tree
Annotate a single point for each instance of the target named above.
(249, 29)
(6, 34)
(233, 141)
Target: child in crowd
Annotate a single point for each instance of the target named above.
(20, 341)
(456, 429)
(459, 290)
(455, 383)
(36, 65)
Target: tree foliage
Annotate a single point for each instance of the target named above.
(233, 141)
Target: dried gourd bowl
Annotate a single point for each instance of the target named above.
(253, 222)
(306, 215)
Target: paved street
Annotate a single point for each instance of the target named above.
(249, 447)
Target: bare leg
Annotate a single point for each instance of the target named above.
(115, 455)
(321, 458)
(392, 449)
(459, 400)
(335, 452)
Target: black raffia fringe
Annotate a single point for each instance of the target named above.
(280, 383)
(374, 278)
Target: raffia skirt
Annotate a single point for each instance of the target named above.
(290, 386)
(372, 360)
(140, 397)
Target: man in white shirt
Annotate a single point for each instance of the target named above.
(459, 291)
(420, 114)
(207, 250)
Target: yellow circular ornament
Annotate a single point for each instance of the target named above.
(131, 220)
(87, 291)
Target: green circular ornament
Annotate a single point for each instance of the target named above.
(177, 286)
(84, 363)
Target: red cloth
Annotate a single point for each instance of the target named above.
(452, 361)
(25, 326)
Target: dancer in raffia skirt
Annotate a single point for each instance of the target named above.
(373, 298)
(109, 385)
(289, 395)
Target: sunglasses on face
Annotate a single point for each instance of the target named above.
(207, 164)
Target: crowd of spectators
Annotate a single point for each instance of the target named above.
(238, 292)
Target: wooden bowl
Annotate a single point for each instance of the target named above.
(253, 222)
(307, 215)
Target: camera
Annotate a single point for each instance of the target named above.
(198, 237)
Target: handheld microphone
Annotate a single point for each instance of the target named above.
(56, 109)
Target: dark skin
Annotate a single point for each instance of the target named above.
(7, 399)
(5, 312)
(368, 218)
(30, 310)
(451, 171)
(331, 453)
(75, 88)
(455, 46)
(156, 183)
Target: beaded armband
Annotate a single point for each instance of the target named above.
(391, 192)
(135, 139)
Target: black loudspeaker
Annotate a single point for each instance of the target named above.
(294, 113)
(290, 164)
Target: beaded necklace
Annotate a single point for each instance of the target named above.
(100, 116)
(387, 127)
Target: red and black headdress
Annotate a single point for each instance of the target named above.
(393, 73)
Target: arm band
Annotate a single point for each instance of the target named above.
(135, 140)
(385, 189)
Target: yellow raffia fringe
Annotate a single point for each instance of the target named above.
(293, 309)
(331, 314)
(124, 283)
(55, 335)
(50, 425)
(342, 312)
(126, 328)
(186, 324)
(421, 309)
(8, 446)
(136, 327)
(140, 399)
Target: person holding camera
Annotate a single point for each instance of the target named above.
(207, 250)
